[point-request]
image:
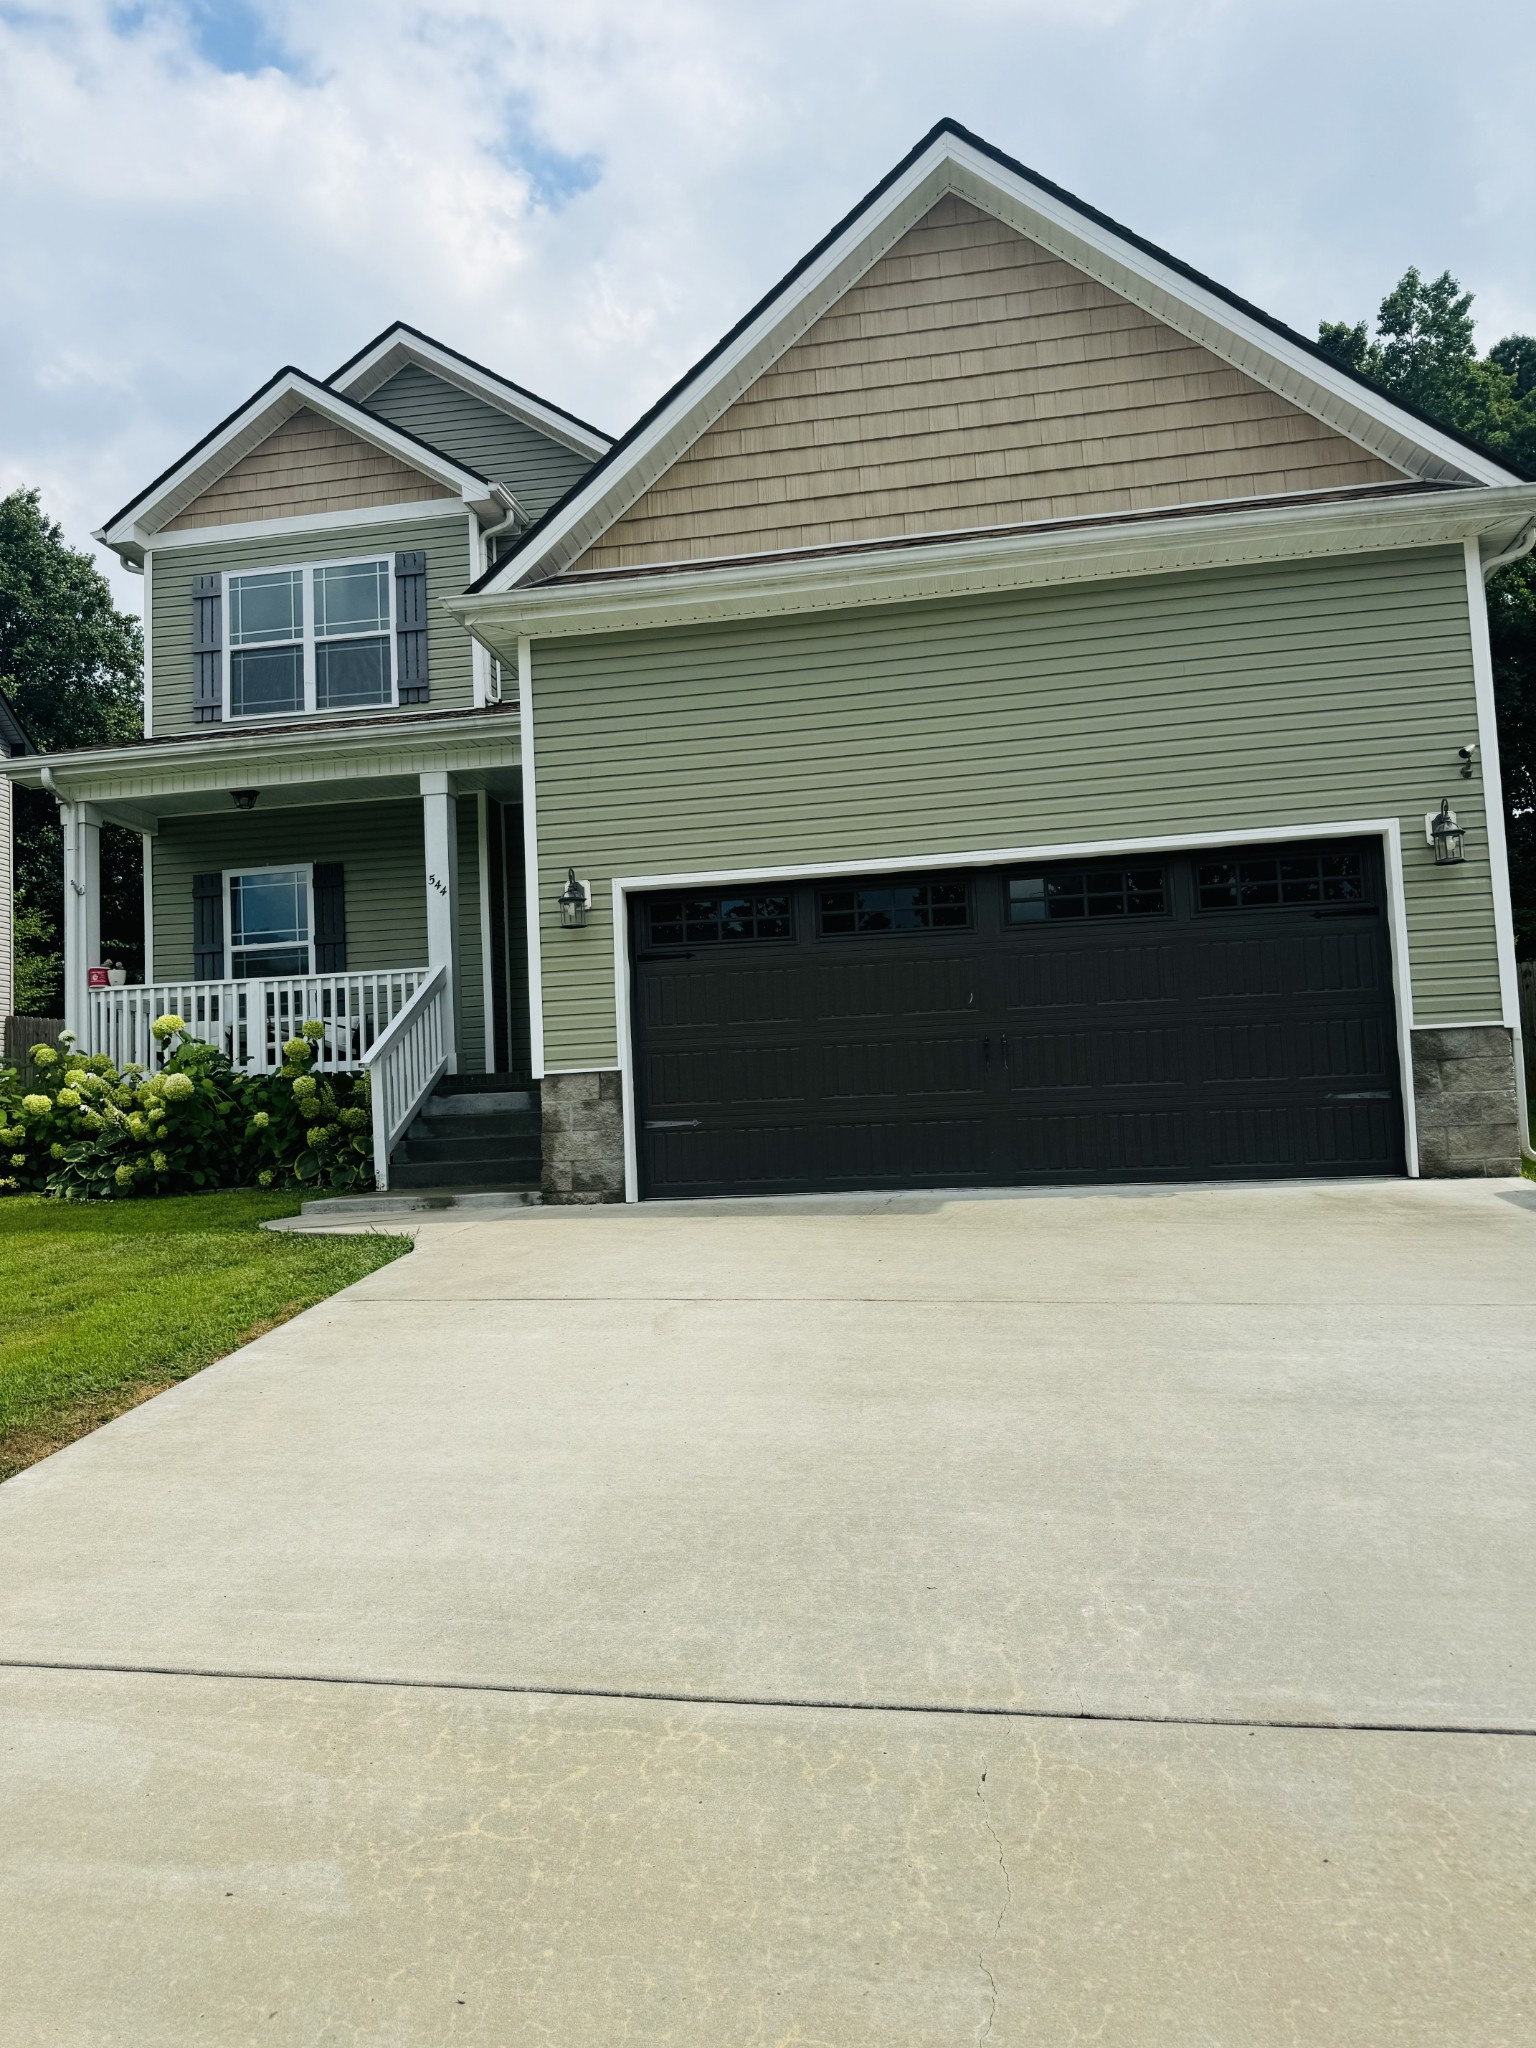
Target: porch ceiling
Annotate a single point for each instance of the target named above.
(370, 762)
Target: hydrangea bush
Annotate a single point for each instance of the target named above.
(81, 1128)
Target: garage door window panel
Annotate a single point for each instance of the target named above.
(859, 912)
(720, 918)
(1281, 881)
(1067, 895)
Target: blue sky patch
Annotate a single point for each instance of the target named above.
(555, 177)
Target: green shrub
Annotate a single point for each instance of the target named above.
(80, 1128)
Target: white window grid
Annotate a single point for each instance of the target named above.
(307, 570)
(287, 867)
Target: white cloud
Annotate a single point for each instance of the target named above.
(200, 190)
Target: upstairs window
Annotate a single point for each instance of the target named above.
(316, 638)
(266, 643)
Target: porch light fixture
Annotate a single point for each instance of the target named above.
(1445, 835)
(244, 799)
(574, 900)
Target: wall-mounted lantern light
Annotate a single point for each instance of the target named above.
(575, 900)
(1443, 831)
(244, 799)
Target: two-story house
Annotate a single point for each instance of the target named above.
(1012, 712)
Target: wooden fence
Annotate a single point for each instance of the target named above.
(22, 1033)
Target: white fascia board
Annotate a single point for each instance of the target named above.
(397, 349)
(106, 774)
(995, 562)
(951, 165)
(308, 522)
(137, 527)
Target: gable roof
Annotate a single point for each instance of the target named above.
(129, 530)
(399, 344)
(951, 159)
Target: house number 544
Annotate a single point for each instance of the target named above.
(434, 883)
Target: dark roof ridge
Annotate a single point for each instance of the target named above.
(485, 370)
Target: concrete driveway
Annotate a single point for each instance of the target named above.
(1044, 1619)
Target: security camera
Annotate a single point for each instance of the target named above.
(1466, 754)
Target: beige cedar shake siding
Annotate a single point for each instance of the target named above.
(380, 848)
(972, 379)
(306, 465)
(1229, 700)
(444, 538)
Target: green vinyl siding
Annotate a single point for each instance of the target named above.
(536, 469)
(1228, 700)
(380, 849)
(444, 538)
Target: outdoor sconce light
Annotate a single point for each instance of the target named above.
(1445, 835)
(244, 799)
(575, 900)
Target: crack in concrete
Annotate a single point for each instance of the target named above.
(985, 2030)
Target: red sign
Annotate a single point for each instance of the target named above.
(96, 977)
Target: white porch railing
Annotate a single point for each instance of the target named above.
(405, 1063)
(251, 1020)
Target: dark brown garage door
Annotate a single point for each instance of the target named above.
(1160, 1017)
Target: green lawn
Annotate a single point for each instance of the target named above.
(103, 1304)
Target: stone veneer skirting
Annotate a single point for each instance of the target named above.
(1465, 1100)
(583, 1137)
(1463, 1089)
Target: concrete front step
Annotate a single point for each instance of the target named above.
(476, 1132)
(467, 1145)
(463, 1173)
(518, 1102)
(378, 1208)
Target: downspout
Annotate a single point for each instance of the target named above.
(516, 518)
(1518, 549)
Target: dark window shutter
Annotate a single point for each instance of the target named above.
(207, 650)
(208, 927)
(411, 626)
(330, 892)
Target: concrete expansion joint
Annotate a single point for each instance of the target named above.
(787, 1703)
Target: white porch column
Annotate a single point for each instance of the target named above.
(81, 828)
(440, 821)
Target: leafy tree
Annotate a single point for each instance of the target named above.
(71, 664)
(1424, 351)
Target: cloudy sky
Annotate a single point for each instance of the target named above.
(585, 194)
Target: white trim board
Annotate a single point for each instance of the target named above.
(932, 571)
(305, 522)
(1387, 830)
(952, 164)
(534, 937)
(1488, 772)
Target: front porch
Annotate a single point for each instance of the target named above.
(249, 1020)
(367, 875)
